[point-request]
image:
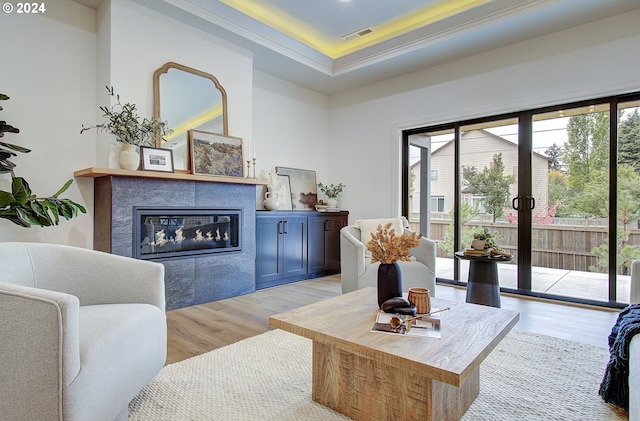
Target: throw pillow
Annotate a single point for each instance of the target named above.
(368, 226)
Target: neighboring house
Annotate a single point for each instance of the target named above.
(477, 150)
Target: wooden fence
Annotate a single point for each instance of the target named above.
(553, 246)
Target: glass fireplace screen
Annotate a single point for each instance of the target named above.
(163, 233)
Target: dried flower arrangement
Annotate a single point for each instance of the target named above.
(387, 248)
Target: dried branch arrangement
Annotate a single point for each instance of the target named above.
(386, 247)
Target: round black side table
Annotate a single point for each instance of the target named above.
(482, 284)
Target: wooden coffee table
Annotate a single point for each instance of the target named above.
(369, 376)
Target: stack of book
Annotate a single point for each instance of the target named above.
(476, 253)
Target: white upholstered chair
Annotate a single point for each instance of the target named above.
(81, 332)
(355, 261)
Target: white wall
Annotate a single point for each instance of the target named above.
(588, 61)
(48, 69)
(142, 40)
(291, 126)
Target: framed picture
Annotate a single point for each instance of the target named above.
(216, 154)
(283, 189)
(304, 190)
(155, 159)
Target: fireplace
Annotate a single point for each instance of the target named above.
(219, 272)
(161, 233)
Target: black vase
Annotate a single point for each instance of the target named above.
(389, 282)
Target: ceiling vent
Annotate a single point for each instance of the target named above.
(357, 34)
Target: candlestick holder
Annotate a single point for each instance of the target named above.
(254, 169)
(248, 168)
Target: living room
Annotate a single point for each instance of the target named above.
(57, 64)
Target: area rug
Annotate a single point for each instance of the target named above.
(268, 377)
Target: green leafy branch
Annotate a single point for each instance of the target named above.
(124, 123)
(21, 206)
(331, 190)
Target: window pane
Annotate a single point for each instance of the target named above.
(488, 154)
(570, 220)
(628, 244)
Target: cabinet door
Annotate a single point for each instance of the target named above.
(268, 249)
(294, 251)
(332, 242)
(318, 229)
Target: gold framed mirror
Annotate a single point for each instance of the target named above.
(191, 99)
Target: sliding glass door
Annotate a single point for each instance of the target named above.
(543, 183)
(570, 228)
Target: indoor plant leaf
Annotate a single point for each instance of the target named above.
(6, 198)
(63, 188)
(20, 190)
(11, 215)
(6, 167)
(39, 209)
(54, 210)
(27, 216)
(15, 147)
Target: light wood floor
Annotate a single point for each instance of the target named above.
(202, 328)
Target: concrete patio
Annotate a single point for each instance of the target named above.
(569, 283)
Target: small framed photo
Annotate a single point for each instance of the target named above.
(216, 154)
(155, 159)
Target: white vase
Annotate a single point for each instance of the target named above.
(271, 201)
(129, 158)
(332, 202)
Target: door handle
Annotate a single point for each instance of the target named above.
(280, 227)
(285, 227)
(328, 225)
(515, 203)
(531, 202)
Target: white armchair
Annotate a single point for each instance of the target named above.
(358, 271)
(82, 331)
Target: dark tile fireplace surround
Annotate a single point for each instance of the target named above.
(192, 279)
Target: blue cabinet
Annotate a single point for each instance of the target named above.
(292, 246)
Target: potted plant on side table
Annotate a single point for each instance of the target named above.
(332, 192)
(129, 129)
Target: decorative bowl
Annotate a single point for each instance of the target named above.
(321, 208)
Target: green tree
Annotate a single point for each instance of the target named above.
(586, 157)
(629, 140)
(554, 153)
(468, 212)
(586, 149)
(558, 190)
(593, 199)
(492, 184)
(628, 204)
